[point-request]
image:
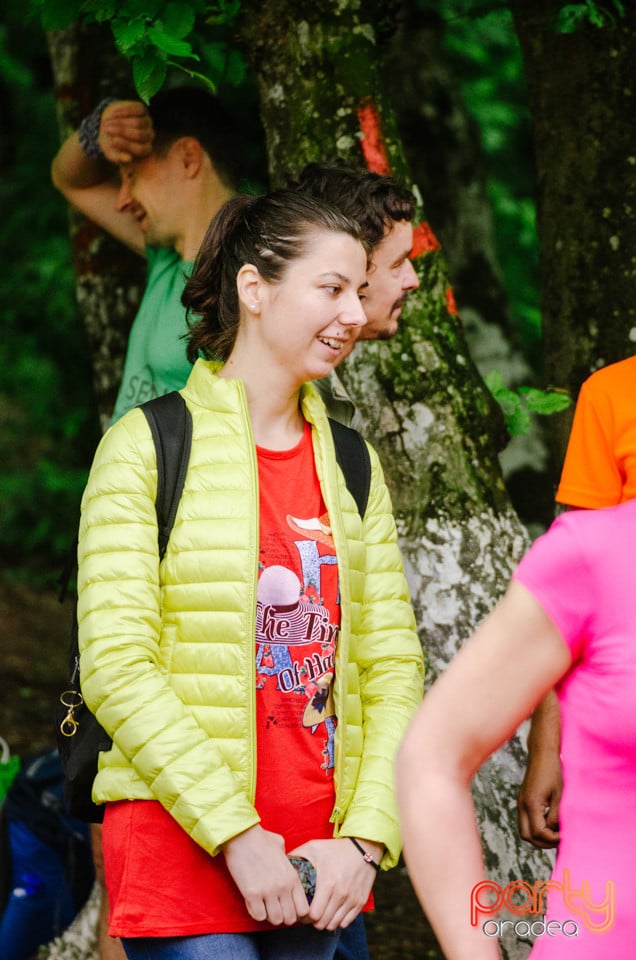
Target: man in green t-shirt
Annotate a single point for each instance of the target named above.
(153, 177)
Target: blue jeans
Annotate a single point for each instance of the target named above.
(352, 944)
(288, 943)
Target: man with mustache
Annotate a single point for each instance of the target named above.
(384, 210)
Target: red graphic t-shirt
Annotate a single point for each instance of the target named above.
(297, 623)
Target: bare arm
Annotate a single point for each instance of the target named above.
(92, 184)
(540, 793)
(494, 683)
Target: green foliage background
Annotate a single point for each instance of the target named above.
(48, 423)
(484, 51)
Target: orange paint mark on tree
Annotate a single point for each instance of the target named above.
(373, 145)
(451, 306)
(424, 240)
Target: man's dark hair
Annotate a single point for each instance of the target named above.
(372, 200)
(193, 112)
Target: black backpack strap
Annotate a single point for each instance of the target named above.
(352, 455)
(170, 423)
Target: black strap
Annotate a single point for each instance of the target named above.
(170, 423)
(353, 456)
(171, 426)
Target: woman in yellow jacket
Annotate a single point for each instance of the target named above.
(256, 681)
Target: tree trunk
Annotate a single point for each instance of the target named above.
(424, 404)
(581, 88)
(443, 146)
(110, 278)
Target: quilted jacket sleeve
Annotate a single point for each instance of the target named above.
(389, 658)
(164, 753)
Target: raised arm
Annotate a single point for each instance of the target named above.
(514, 658)
(118, 133)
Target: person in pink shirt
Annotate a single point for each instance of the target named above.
(567, 620)
(599, 470)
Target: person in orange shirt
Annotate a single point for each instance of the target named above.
(600, 464)
(599, 470)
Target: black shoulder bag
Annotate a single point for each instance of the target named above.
(79, 736)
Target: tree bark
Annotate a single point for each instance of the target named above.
(443, 146)
(425, 407)
(110, 279)
(581, 89)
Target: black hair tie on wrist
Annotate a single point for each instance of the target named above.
(365, 856)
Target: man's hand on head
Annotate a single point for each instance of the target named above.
(125, 131)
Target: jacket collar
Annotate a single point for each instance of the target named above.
(204, 388)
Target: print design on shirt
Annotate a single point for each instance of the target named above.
(291, 613)
(141, 387)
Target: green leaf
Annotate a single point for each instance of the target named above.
(515, 413)
(518, 422)
(178, 20)
(169, 44)
(149, 73)
(570, 17)
(544, 401)
(494, 381)
(510, 403)
(127, 33)
(517, 406)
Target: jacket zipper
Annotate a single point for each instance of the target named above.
(329, 485)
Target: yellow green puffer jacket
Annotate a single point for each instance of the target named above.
(168, 650)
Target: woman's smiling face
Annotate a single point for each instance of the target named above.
(310, 320)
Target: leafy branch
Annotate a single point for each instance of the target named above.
(519, 405)
(152, 34)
